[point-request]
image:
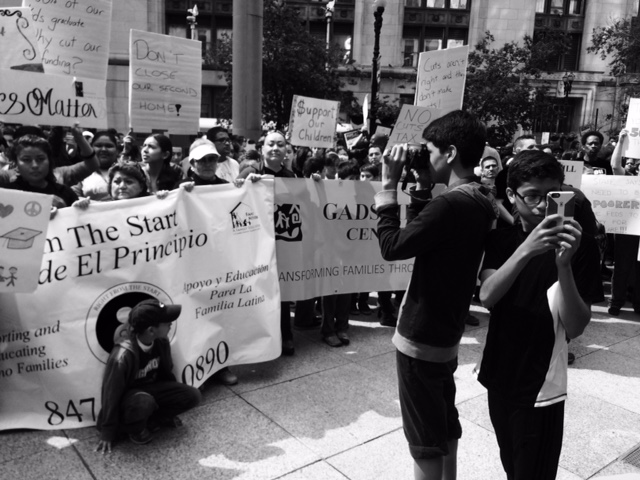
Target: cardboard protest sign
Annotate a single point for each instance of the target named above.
(631, 146)
(544, 138)
(352, 137)
(40, 98)
(441, 78)
(23, 231)
(218, 263)
(313, 121)
(165, 83)
(380, 130)
(572, 172)
(326, 240)
(18, 42)
(411, 123)
(615, 200)
(73, 36)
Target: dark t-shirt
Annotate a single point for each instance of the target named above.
(52, 188)
(521, 332)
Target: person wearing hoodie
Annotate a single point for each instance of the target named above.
(139, 388)
(446, 236)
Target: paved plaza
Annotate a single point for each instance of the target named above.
(333, 414)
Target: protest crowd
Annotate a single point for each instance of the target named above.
(490, 219)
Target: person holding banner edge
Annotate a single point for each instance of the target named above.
(446, 236)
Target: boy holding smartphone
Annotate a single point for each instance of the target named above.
(539, 279)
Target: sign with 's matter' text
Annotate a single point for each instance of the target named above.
(441, 78)
(72, 36)
(165, 83)
(313, 121)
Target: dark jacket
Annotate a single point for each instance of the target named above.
(446, 236)
(119, 376)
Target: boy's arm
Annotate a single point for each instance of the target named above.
(616, 156)
(496, 283)
(574, 312)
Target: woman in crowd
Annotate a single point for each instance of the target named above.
(156, 163)
(127, 180)
(130, 151)
(96, 185)
(34, 163)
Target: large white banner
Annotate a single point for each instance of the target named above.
(40, 98)
(24, 217)
(615, 200)
(441, 78)
(165, 83)
(327, 241)
(72, 36)
(211, 251)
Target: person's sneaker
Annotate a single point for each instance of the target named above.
(472, 321)
(343, 337)
(613, 310)
(571, 358)
(388, 319)
(225, 377)
(142, 437)
(332, 341)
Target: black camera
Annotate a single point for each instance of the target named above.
(417, 157)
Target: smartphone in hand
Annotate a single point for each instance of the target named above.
(562, 203)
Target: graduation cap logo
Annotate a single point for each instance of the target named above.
(20, 238)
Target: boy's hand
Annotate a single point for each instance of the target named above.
(570, 238)
(544, 237)
(104, 446)
(392, 165)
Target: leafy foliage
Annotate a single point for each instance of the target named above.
(294, 62)
(499, 87)
(620, 42)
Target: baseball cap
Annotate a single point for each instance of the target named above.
(151, 313)
(202, 151)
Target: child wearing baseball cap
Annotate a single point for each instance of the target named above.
(139, 390)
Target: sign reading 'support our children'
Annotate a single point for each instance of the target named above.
(219, 264)
(72, 36)
(313, 121)
(165, 83)
(441, 78)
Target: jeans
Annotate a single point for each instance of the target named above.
(335, 314)
(626, 271)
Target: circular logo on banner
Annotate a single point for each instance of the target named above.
(110, 311)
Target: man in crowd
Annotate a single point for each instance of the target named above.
(228, 168)
(446, 237)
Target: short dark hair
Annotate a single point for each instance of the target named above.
(533, 164)
(591, 133)
(370, 168)
(35, 141)
(461, 129)
(130, 169)
(313, 165)
(212, 132)
(520, 139)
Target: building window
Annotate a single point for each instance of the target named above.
(455, 4)
(560, 7)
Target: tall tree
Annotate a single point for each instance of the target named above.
(500, 86)
(294, 63)
(620, 44)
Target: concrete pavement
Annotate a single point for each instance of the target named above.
(333, 414)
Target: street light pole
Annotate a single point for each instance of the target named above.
(328, 14)
(192, 21)
(377, 26)
(567, 81)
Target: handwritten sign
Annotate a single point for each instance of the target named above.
(32, 97)
(73, 36)
(352, 137)
(313, 121)
(572, 172)
(631, 146)
(411, 123)
(544, 138)
(23, 232)
(615, 200)
(441, 78)
(165, 83)
(17, 41)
